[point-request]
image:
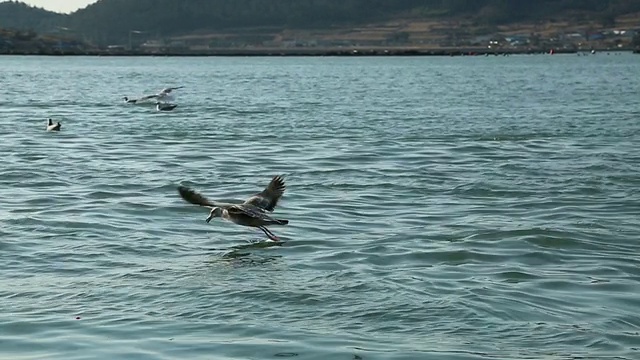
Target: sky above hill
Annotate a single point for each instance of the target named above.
(61, 6)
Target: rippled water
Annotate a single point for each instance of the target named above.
(440, 208)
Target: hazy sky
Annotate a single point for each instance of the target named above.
(64, 6)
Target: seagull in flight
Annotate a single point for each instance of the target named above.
(252, 212)
(163, 96)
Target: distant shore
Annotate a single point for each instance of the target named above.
(309, 52)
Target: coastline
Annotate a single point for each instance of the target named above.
(355, 51)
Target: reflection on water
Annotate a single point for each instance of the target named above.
(242, 254)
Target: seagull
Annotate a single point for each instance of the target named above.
(252, 212)
(165, 107)
(51, 126)
(164, 95)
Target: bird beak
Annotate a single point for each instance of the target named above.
(209, 218)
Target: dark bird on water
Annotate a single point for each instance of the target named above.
(51, 126)
(165, 107)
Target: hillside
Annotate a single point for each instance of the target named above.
(111, 20)
(17, 15)
(117, 21)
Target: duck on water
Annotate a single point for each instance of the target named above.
(51, 126)
(165, 107)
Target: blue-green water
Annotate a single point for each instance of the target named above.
(440, 208)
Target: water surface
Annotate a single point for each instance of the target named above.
(440, 208)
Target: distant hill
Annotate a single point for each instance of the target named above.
(111, 21)
(169, 17)
(17, 15)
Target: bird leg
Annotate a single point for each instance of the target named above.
(269, 234)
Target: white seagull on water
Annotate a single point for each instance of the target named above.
(51, 126)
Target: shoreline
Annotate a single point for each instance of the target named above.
(355, 51)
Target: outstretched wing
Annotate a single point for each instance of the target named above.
(247, 210)
(251, 215)
(194, 197)
(170, 89)
(268, 198)
(147, 97)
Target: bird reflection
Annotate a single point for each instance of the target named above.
(241, 255)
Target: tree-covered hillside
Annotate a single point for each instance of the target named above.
(170, 16)
(17, 15)
(113, 20)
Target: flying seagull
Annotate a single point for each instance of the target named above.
(163, 95)
(252, 212)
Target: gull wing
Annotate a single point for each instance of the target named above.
(194, 197)
(147, 97)
(247, 210)
(170, 89)
(268, 198)
(251, 215)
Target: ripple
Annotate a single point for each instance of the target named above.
(427, 219)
